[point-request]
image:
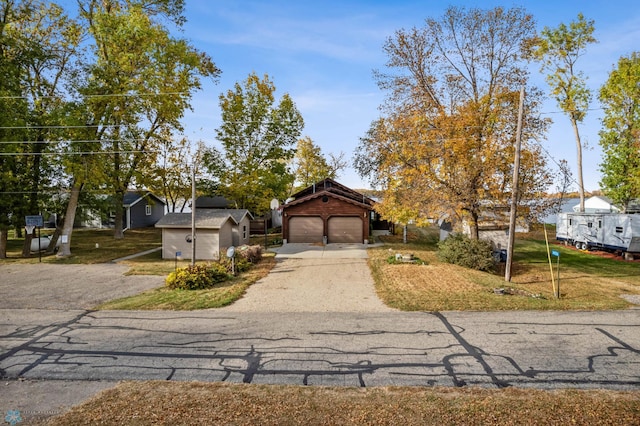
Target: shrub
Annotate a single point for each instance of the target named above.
(197, 277)
(241, 264)
(252, 254)
(459, 249)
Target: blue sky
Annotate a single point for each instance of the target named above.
(323, 53)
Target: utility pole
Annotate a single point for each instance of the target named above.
(515, 188)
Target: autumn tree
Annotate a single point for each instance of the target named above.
(445, 144)
(139, 85)
(620, 136)
(558, 50)
(258, 135)
(310, 165)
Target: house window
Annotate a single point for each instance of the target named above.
(619, 229)
(590, 224)
(148, 210)
(244, 232)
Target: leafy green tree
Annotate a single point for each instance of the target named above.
(558, 50)
(13, 108)
(39, 50)
(139, 85)
(445, 145)
(258, 136)
(620, 136)
(311, 166)
(172, 172)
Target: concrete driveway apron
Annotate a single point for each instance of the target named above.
(315, 278)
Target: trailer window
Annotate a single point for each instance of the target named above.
(619, 229)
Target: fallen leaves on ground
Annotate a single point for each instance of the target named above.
(193, 403)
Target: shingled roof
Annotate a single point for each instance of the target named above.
(205, 219)
(331, 188)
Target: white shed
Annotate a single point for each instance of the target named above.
(241, 231)
(214, 234)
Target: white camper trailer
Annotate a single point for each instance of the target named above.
(606, 231)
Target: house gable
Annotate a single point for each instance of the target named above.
(142, 209)
(333, 187)
(327, 212)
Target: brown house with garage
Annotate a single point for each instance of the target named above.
(327, 212)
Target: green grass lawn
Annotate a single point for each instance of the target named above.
(91, 246)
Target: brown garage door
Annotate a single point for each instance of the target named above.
(305, 229)
(345, 230)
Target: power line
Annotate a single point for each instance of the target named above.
(60, 127)
(76, 141)
(22, 154)
(106, 95)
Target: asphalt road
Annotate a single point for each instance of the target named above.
(47, 354)
(527, 349)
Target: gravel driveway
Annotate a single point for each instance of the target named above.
(313, 278)
(47, 286)
(306, 278)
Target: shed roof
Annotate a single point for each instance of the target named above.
(205, 219)
(239, 214)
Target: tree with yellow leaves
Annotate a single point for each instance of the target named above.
(445, 144)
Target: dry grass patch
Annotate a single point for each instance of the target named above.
(587, 281)
(194, 403)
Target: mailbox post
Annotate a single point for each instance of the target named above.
(556, 254)
(31, 222)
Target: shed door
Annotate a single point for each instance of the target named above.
(305, 229)
(345, 230)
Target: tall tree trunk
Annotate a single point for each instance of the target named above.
(26, 246)
(119, 206)
(473, 228)
(35, 185)
(574, 123)
(54, 240)
(69, 218)
(4, 235)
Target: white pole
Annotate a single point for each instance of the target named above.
(193, 215)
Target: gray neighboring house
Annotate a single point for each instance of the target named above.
(216, 230)
(141, 209)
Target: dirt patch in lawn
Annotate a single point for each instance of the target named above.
(194, 403)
